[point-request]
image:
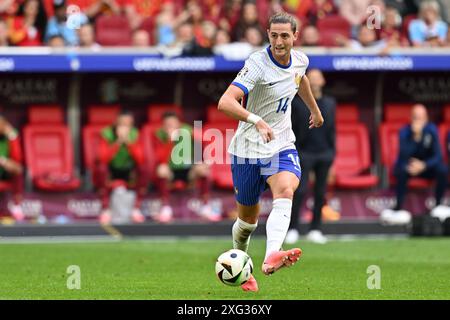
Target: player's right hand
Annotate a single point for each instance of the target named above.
(265, 131)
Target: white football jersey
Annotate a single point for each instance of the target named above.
(269, 88)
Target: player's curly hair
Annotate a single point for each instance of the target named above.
(284, 17)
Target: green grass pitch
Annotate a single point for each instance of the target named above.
(184, 269)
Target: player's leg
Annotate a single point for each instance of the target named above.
(248, 185)
(283, 186)
(245, 224)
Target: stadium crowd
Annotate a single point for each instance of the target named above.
(204, 27)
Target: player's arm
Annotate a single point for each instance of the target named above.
(229, 104)
(304, 91)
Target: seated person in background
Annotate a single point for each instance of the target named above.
(175, 163)
(429, 30)
(121, 163)
(11, 169)
(419, 156)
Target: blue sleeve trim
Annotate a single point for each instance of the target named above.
(240, 86)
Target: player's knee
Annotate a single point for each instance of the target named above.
(286, 193)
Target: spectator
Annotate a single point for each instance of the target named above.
(429, 29)
(254, 37)
(189, 44)
(222, 37)
(11, 169)
(56, 41)
(3, 33)
(318, 148)
(8, 8)
(121, 163)
(310, 37)
(367, 38)
(320, 9)
(249, 18)
(165, 25)
(209, 31)
(28, 27)
(391, 29)
(178, 166)
(419, 156)
(57, 25)
(140, 39)
(193, 14)
(231, 12)
(87, 37)
(184, 34)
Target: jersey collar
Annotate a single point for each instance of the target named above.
(276, 62)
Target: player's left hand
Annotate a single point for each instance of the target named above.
(315, 120)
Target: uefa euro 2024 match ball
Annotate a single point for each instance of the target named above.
(234, 267)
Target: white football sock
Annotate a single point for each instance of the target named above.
(241, 234)
(277, 224)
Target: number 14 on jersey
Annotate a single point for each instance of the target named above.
(283, 105)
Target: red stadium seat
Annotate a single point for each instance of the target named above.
(113, 30)
(103, 114)
(45, 114)
(389, 143)
(156, 111)
(353, 158)
(398, 112)
(221, 168)
(147, 132)
(447, 113)
(332, 26)
(347, 113)
(91, 143)
(49, 157)
(215, 116)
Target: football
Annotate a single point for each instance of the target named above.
(234, 267)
